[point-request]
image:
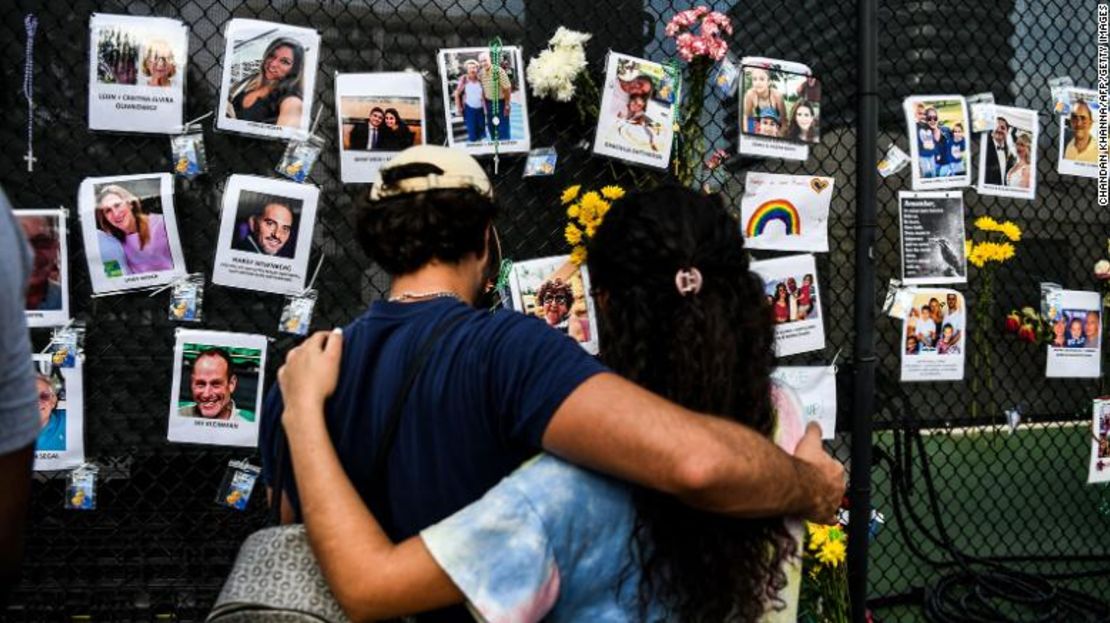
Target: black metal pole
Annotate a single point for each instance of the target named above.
(859, 492)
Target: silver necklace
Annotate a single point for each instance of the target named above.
(420, 296)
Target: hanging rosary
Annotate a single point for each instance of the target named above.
(31, 23)
(495, 111)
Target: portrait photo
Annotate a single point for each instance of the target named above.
(137, 68)
(59, 391)
(1008, 154)
(47, 302)
(471, 87)
(1100, 441)
(636, 119)
(265, 234)
(934, 336)
(779, 103)
(379, 114)
(791, 287)
(1075, 350)
(940, 148)
(1079, 131)
(130, 232)
(269, 76)
(557, 291)
(932, 237)
(217, 388)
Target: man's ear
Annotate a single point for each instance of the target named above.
(232, 383)
(252, 223)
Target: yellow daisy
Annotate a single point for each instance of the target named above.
(986, 223)
(572, 211)
(578, 255)
(612, 193)
(570, 193)
(832, 553)
(818, 535)
(1011, 231)
(573, 234)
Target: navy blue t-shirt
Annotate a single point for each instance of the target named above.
(478, 408)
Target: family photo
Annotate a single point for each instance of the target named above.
(483, 103)
(1077, 328)
(939, 133)
(47, 298)
(635, 122)
(557, 291)
(777, 103)
(934, 336)
(1075, 350)
(1008, 154)
(793, 299)
(793, 293)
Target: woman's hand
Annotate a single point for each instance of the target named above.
(310, 374)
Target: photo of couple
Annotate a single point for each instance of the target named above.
(483, 102)
(125, 57)
(381, 123)
(793, 299)
(1008, 154)
(781, 104)
(935, 327)
(938, 130)
(637, 109)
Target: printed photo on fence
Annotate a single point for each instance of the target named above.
(379, 114)
(47, 298)
(217, 388)
(932, 228)
(636, 119)
(471, 87)
(558, 291)
(934, 336)
(780, 109)
(812, 391)
(1079, 131)
(61, 409)
(1075, 350)
(137, 68)
(786, 212)
(1008, 154)
(1099, 470)
(130, 232)
(269, 76)
(940, 146)
(790, 284)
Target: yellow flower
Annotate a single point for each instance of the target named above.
(1010, 230)
(986, 223)
(573, 234)
(832, 553)
(592, 200)
(578, 255)
(818, 535)
(967, 247)
(572, 211)
(570, 193)
(587, 213)
(976, 256)
(591, 229)
(612, 193)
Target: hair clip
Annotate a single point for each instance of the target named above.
(688, 281)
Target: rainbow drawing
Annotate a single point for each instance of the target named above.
(775, 210)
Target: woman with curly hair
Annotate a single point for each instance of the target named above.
(682, 315)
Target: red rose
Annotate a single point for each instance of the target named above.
(1013, 322)
(1027, 334)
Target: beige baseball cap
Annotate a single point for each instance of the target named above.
(459, 170)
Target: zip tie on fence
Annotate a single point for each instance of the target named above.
(31, 24)
(189, 125)
(315, 273)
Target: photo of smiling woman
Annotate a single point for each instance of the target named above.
(132, 241)
(275, 94)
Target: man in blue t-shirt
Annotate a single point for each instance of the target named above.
(498, 387)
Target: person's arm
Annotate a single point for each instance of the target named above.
(613, 426)
(289, 112)
(370, 576)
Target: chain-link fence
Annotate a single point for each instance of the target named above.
(159, 545)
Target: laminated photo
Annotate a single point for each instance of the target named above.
(265, 234)
(790, 284)
(780, 109)
(217, 388)
(934, 336)
(130, 232)
(786, 212)
(932, 227)
(811, 390)
(1075, 350)
(269, 76)
(379, 114)
(1079, 132)
(47, 302)
(636, 119)
(1008, 154)
(61, 404)
(1099, 470)
(940, 149)
(467, 79)
(557, 291)
(137, 68)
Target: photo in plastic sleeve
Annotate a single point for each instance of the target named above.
(1079, 131)
(268, 80)
(137, 68)
(934, 336)
(81, 488)
(636, 119)
(299, 158)
(811, 391)
(779, 104)
(792, 290)
(940, 141)
(932, 237)
(558, 291)
(217, 388)
(265, 234)
(47, 299)
(467, 80)
(238, 484)
(1075, 350)
(1008, 154)
(786, 212)
(984, 113)
(893, 161)
(296, 316)
(379, 114)
(1099, 470)
(187, 299)
(541, 162)
(189, 158)
(130, 232)
(61, 410)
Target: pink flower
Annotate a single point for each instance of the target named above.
(709, 28)
(719, 19)
(718, 49)
(671, 29)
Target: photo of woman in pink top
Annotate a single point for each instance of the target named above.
(142, 236)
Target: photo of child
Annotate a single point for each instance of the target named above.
(793, 299)
(938, 141)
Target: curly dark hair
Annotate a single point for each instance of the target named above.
(555, 288)
(404, 232)
(710, 352)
